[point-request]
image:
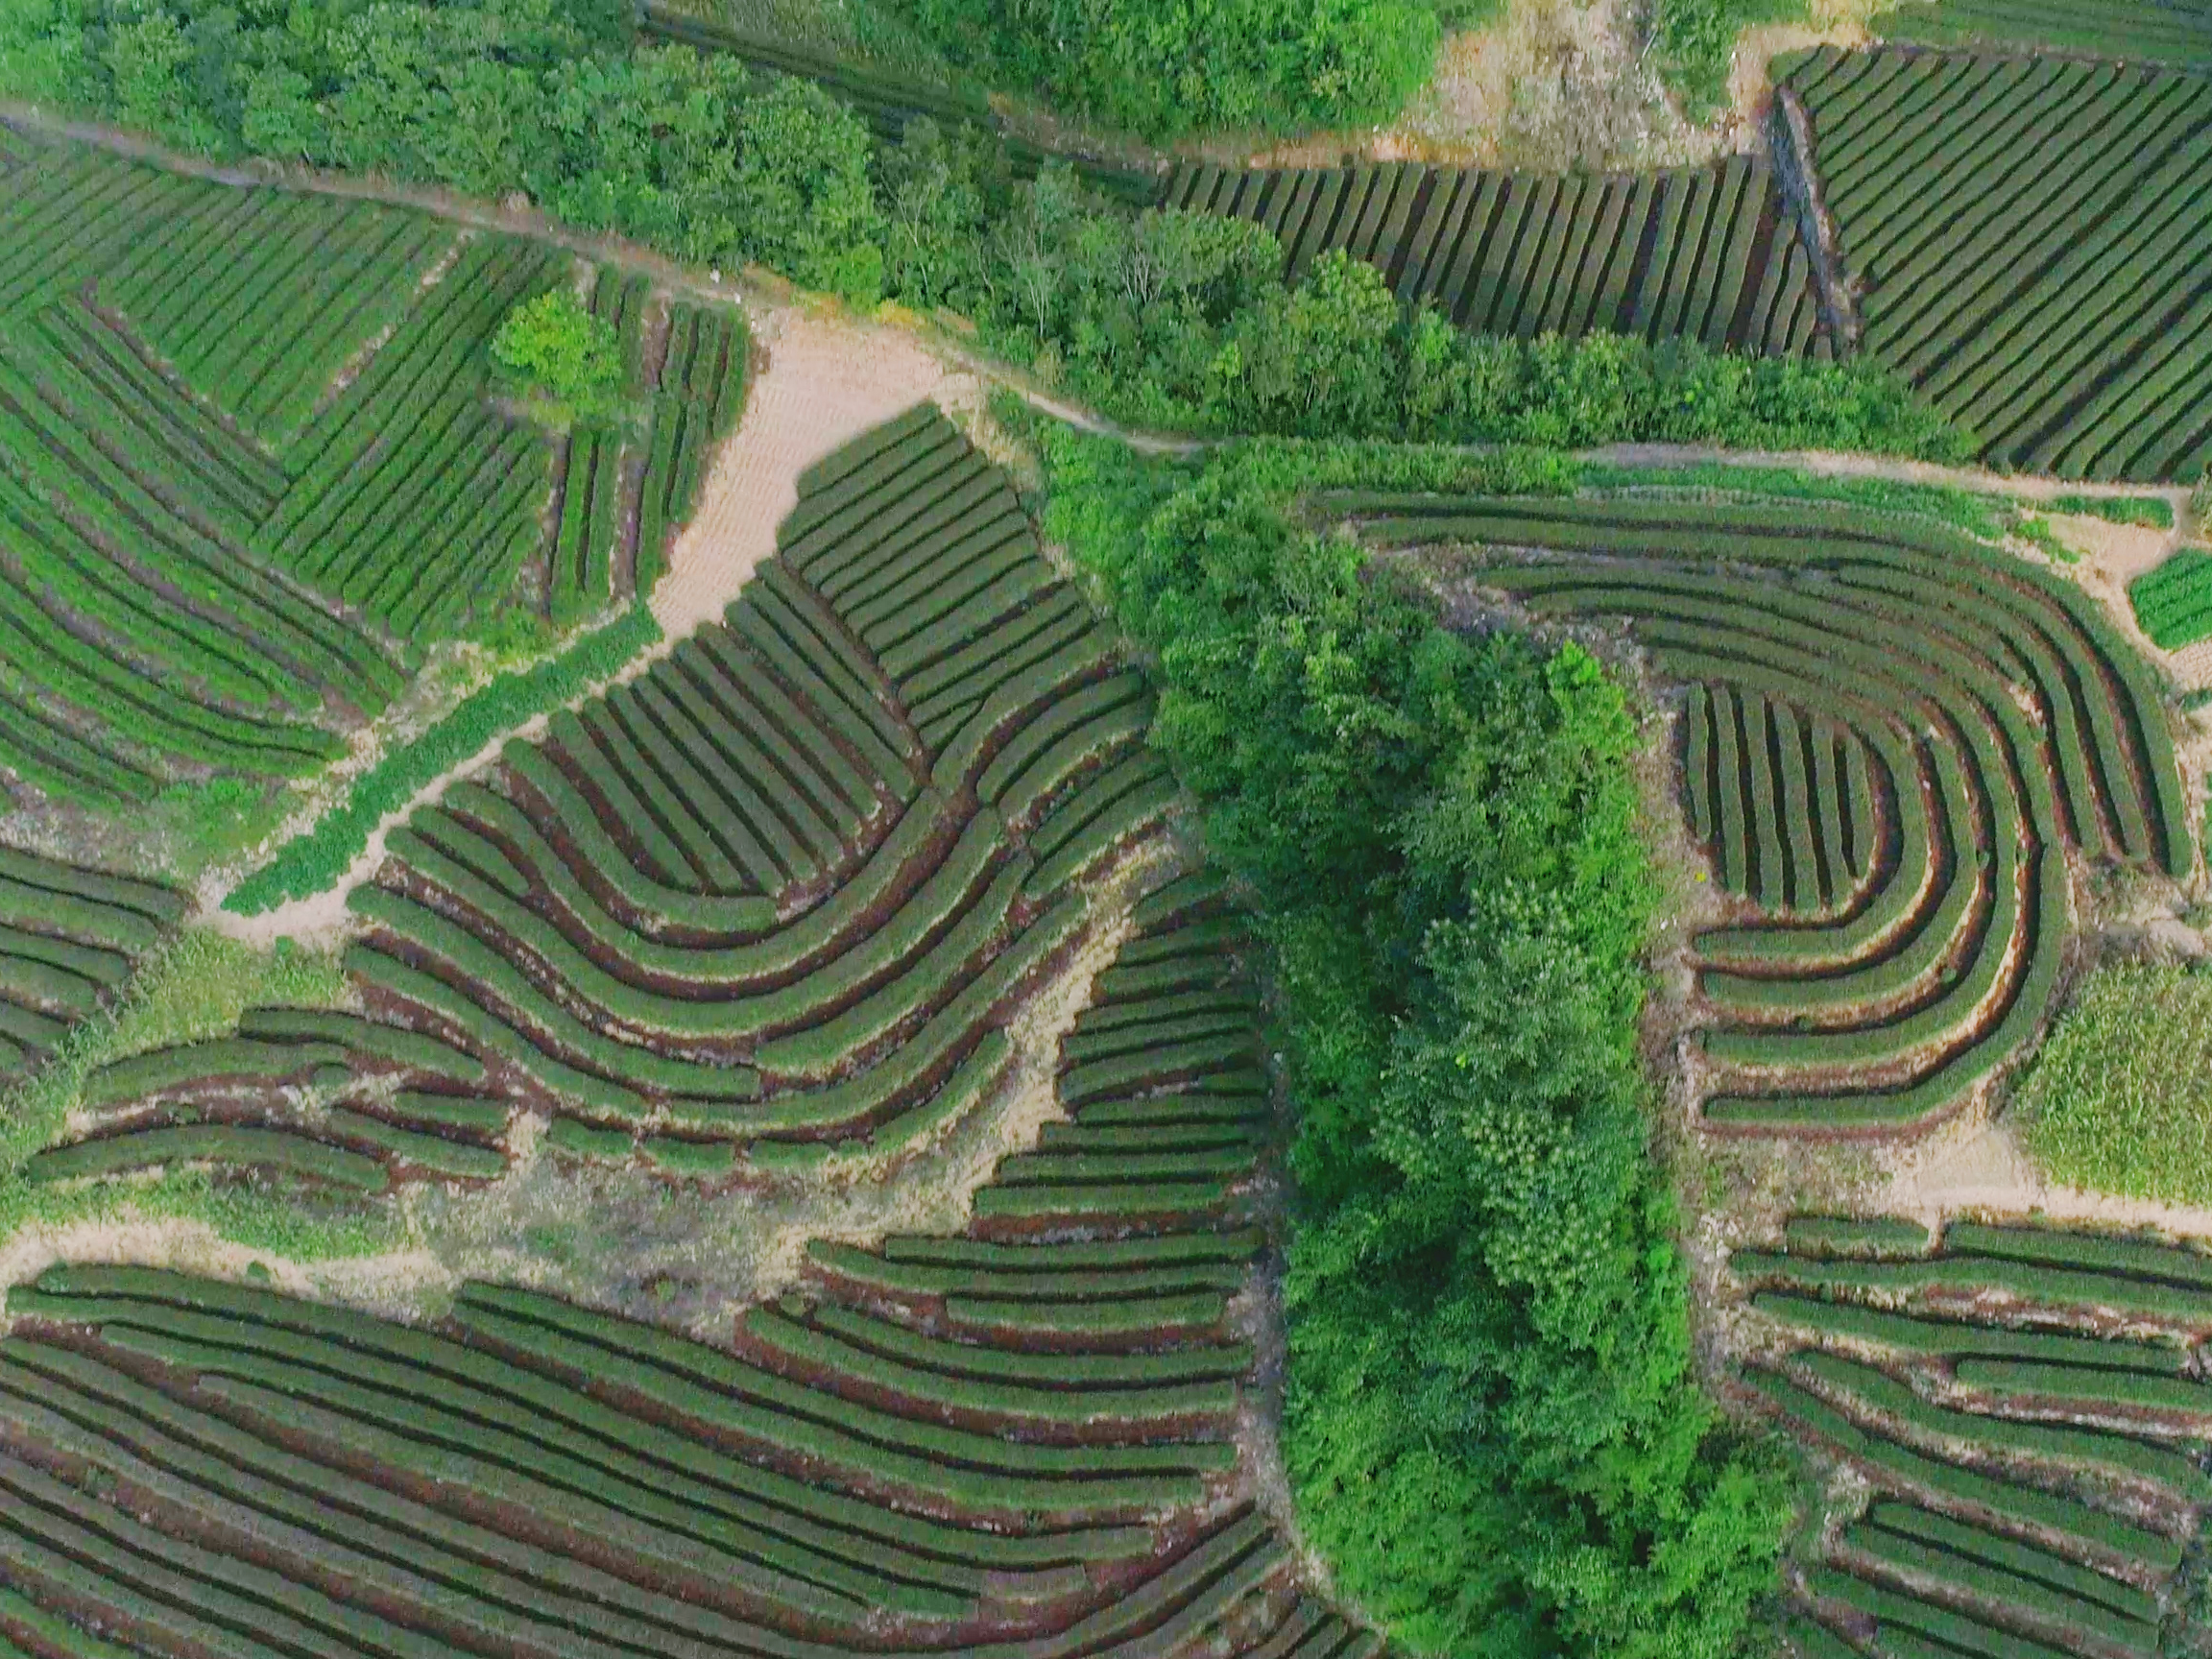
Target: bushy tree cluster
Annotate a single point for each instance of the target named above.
(1493, 1426)
(1163, 71)
(561, 352)
(1162, 319)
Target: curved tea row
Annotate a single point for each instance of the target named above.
(781, 891)
(2035, 1483)
(1981, 719)
(1012, 1441)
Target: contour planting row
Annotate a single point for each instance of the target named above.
(786, 883)
(1786, 799)
(319, 1095)
(2176, 32)
(1016, 1440)
(1966, 1380)
(68, 939)
(1922, 644)
(411, 498)
(598, 503)
(1710, 254)
(2030, 234)
(696, 398)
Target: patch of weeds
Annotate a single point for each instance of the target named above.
(2143, 512)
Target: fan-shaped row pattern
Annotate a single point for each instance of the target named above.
(2007, 717)
(1709, 253)
(2021, 1530)
(995, 1444)
(2031, 236)
(785, 883)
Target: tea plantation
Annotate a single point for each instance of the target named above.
(800, 861)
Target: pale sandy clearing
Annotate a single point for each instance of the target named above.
(828, 378)
(1987, 1170)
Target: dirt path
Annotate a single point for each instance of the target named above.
(828, 378)
(1987, 1170)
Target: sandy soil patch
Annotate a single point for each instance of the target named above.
(1987, 1169)
(828, 378)
(1750, 88)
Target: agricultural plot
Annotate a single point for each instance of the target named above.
(142, 639)
(2030, 235)
(1711, 254)
(776, 891)
(1980, 723)
(2033, 1472)
(68, 939)
(2176, 32)
(2172, 603)
(1015, 1439)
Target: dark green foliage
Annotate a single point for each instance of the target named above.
(1694, 43)
(1227, 64)
(564, 353)
(1489, 1351)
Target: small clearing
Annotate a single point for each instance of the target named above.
(827, 379)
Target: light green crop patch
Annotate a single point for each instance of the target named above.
(2121, 1100)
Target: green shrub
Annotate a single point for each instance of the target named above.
(563, 354)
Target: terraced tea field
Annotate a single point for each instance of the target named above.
(1011, 1441)
(1711, 254)
(1896, 738)
(777, 892)
(2030, 236)
(251, 462)
(2176, 32)
(2034, 1483)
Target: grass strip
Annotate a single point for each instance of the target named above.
(310, 863)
